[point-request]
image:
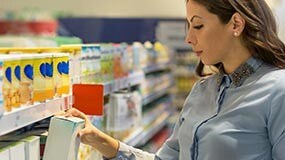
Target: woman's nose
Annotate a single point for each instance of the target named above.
(190, 39)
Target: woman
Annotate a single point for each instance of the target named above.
(236, 114)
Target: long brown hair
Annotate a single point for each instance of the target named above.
(260, 32)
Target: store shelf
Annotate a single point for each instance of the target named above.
(116, 85)
(155, 95)
(143, 134)
(25, 116)
(156, 67)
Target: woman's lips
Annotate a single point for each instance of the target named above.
(198, 53)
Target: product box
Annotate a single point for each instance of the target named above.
(124, 113)
(50, 91)
(62, 141)
(39, 71)
(4, 152)
(3, 91)
(61, 73)
(31, 145)
(7, 84)
(16, 69)
(16, 150)
(27, 78)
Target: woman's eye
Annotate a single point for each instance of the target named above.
(198, 27)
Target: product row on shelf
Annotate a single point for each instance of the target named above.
(184, 75)
(37, 83)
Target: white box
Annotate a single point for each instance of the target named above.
(62, 141)
(4, 152)
(32, 146)
(17, 151)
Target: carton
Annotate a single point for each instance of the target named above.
(39, 78)
(50, 90)
(31, 145)
(27, 78)
(62, 141)
(16, 150)
(4, 152)
(7, 91)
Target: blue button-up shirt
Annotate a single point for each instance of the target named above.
(240, 116)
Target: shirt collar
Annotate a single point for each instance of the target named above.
(241, 73)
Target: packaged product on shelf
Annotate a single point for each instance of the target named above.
(63, 139)
(140, 55)
(96, 64)
(123, 114)
(50, 90)
(91, 63)
(86, 51)
(131, 63)
(106, 62)
(27, 78)
(118, 66)
(75, 66)
(16, 71)
(61, 73)
(42, 134)
(16, 150)
(4, 152)
(151, 53)
(8, 92)
(163, 53)
(65, 74)
(86, 152)
(84, 68)
(31, 145)
(74, 62)
(125, 60)
(39, 78)
(4, 86)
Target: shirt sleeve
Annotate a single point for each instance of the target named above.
(276, 121)
(168, 151)
(127, 152)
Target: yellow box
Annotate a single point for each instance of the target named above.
(57, 73)
(7, 84)
(16, 77)
(4, 85)
(50, 90)
(64, 74)
(39, 78)
(27, 78)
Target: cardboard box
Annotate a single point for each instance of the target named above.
(4, 152)
(16, 150)
(31, 146)
(62, 141)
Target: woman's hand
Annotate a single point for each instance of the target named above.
(89, 134)
(92, 136)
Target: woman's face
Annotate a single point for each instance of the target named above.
(209, 37)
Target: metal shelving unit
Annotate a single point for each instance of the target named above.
(118, 84)
(156, 67)
(25, 116)
(143, 134)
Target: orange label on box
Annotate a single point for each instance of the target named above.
(89, 98)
